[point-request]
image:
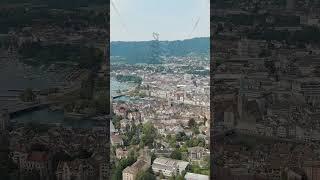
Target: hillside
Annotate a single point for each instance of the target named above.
(141, 51)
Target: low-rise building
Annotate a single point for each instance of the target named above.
(142, 164)
(193, 176)
(120, 153)
(116, 140)
(196, 153)
(169, 167)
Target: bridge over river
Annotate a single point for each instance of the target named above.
(122, 94)
(119, 96)
(17, 109)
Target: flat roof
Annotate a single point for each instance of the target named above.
(193, 176)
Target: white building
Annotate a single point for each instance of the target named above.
(193, 176)
(169, 167)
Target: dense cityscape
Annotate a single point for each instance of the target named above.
(58, 121)
(160, 126)
(266, 89)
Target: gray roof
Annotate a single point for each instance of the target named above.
(193, 176)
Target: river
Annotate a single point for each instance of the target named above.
(47, 116)
(122, 86)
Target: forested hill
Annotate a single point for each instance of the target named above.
(141, 52)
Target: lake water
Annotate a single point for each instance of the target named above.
(16, 75)
(122, 86)
(46, 116)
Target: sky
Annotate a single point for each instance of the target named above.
(136, 20)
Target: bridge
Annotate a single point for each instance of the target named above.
(26, 108)
(16, 109)
(22, 108)
(118, 96)
(22, 90)
(126, 93)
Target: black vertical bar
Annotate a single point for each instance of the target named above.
(212, 67)
(107, 56)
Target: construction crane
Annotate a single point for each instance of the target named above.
(155, 49)
(155, 36)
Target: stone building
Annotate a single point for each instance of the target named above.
(142, 164)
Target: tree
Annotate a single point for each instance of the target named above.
(145, 175)
(202, 142)
(173, 177)
(183, 173)
(179, 177)
(176, 154)
(195, 130)
(161, 176)
(171, 140)
(153, 157)
(122, 164)
(192, 122)
(149, 134)
(116, 121)
(181, 136)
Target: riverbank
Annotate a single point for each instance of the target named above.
(49, 117)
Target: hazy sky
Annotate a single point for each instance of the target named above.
(136, 20)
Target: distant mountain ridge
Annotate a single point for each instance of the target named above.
(140, 51)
